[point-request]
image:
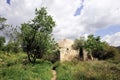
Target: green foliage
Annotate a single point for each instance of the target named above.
(12, 47)
(79, 43)
(95, 47)
(13, 34)
(97, 70)
(11, 59)
(36, 35)
(56, 65)
(2, 23)
(53, 53)
(2, 41)
(16, 67)
(93, 44)
(107, 52)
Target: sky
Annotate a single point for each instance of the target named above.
(74, 18)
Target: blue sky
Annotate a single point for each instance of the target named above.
(100, 32)
(8, 2)
(79, 9)
(108, 31)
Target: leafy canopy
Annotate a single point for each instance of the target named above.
(93, 43)
(2, 22)
(79, 43)
(2, 41)
(37, 33)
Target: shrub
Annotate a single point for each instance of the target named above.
(91, 70)
(53, 57)
(2, 41)
(12, 47)
(19, 71)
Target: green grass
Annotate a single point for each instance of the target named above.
(90, 70)
(16, 67)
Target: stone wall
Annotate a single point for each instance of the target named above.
(67, 53)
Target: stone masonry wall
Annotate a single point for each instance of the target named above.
(67, 53)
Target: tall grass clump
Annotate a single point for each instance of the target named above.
(90, 70)
(16, 67)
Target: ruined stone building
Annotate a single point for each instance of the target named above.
(67, 53)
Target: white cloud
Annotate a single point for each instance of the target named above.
(100, 14)
(19, 11)
(62, 11)
(95, 15)
(113, 39)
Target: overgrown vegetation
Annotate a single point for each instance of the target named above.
(2, 41)
(33, 42)
(36, 35)
(17, 67)
(90, 70)
(2, 23)
(95, 48)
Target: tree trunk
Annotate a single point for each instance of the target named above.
(85, 55)
(31, 57)
(91, 56)
(28, 54)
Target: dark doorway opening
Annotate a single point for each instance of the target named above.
(81, 52)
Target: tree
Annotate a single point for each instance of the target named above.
(36, 35)
(12, 47)
(78, 45)
(14, 39)
(107, 52)
(93, 44)
(2, 22)
(53, 53)
(12, 34)
(2, 41)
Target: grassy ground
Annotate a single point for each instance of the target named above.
(16, 67)
(90, 70)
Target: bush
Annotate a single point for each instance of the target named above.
(56, 65)
(19, 71)
(91, 70)
(12, 47)
(53, 57)
(2, 41)
(108, 52)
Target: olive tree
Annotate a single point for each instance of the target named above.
(93, 44)
(2, 26)
(79, 45)
(2, 22)
(37, 35)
